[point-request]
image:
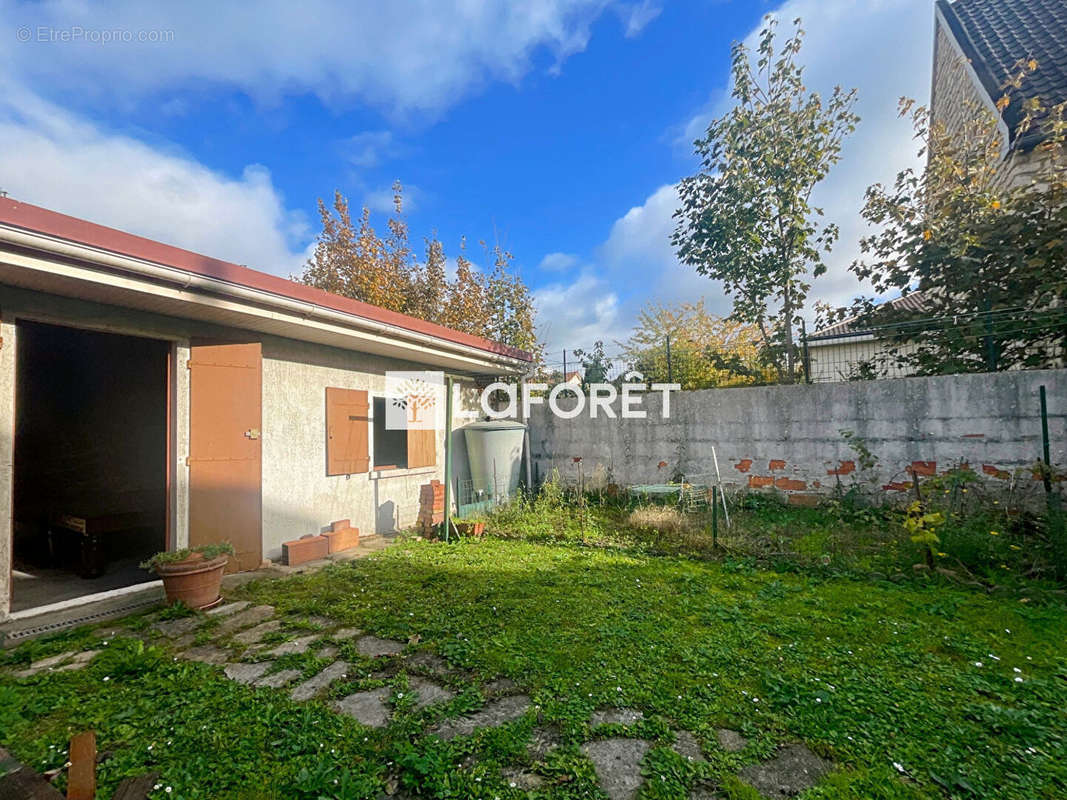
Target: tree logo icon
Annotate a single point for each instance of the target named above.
(415, 400)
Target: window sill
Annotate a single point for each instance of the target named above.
(379, 474)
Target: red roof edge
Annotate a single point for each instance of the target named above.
(51, 223)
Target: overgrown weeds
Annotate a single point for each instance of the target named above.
(956, 531)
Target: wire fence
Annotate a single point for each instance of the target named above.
(990, 341)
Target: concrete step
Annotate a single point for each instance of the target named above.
(33, 622)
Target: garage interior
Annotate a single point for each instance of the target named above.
(90, 471)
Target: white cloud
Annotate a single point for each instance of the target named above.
(881, 47)
(558, 262)
(52, 158)
(369, 148)
(577, 314)
(423, 55)
(636, 16)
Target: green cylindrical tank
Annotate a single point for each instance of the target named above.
(494, 450)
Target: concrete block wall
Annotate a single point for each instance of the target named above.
(790, 438)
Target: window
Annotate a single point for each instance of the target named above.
(390, 446)
(401, 449)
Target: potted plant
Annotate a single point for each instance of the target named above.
(192, 575)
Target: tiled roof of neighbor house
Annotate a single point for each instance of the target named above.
(51, 223)
(996, 34)
(913, 301)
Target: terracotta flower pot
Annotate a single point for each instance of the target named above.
(195, 581)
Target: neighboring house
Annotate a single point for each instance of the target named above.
(977, 46)
(574, 377)
(165, 398)
(848, 351)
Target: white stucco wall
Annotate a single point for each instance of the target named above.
(299, 498)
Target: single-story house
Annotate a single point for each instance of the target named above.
(157, 398)
(849, 350)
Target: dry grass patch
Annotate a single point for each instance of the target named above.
(665, 519)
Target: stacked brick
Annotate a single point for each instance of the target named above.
(431, 508)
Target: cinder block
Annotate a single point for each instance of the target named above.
(304, 549)
(342, 539)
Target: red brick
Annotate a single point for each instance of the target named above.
(996, 472)
(744, 465)
(926, 468)
(843, 468)
(759, 481)
(896, 486)
(342, 539)
(307, 548)
(806, 500)
(340, 524)
(790, 485)
(776, 464)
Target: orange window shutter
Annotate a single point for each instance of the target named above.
(347, 431)
(422, 448)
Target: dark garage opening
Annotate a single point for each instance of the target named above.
(90, 461)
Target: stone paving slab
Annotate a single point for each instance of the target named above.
(342, 634)
(730, 741)
(374, 647)
(176, 627)
(229, 608)
(618, 765)
(79, 661)
(616, 716)
(428, 660)
(254, 635)
(45, 663)
(428, 693)
(247, 673)
(293, 646)
(207, 654)
(496, 713)
(687, 746)
(277, 680)
(310, 687)
(794, 769)
(367, 708)
(244, 619)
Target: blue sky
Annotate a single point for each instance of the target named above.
(559, 126)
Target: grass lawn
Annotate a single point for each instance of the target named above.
(912, 690)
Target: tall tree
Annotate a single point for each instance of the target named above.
(746, 218)
(987, 251)
(705, 350)
(351, 259)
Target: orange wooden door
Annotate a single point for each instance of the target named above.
(225, 467)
